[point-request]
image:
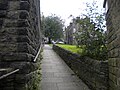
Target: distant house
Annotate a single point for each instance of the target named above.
(70, 32)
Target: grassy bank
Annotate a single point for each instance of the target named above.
(71, 48)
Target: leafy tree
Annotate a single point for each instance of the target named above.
(91, 35)
(52, 27)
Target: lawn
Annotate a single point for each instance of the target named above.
(71, 48)
(50, 45)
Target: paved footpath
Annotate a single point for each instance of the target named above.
(56, 75)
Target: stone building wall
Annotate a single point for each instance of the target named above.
(69, 34)
(7, 83)
(113, 31)
(19, 30)
(93, 72)
(20, 39)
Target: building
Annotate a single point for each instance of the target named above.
(70, 32)
(20, 42)
(113, 32)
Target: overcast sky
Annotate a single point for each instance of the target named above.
(65, 8)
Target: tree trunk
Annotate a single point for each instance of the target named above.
(49, 40)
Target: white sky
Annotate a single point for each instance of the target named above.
(65, 8)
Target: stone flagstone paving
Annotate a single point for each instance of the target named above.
(56, 75)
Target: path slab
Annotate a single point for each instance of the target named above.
(56, 75)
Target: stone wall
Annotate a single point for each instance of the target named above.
(19, 30)
(94, 73)
(20, 40)
(113, 31)
(69, 34)
(27, 78)
(7, 83)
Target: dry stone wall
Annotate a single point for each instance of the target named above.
(94, 73)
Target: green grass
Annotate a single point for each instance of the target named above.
(71, 48)
(50, 45)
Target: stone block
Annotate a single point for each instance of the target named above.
(25, 47)
(3, 13)
(19, 14)
(3, 4)
(16, 23)
(13, 15)
(23, 31)
(113, 70)
(118, 81)
(112, 62)
(8, 31)
(117, 62)
(14, 5)
(16, 31)
(23, 23)
(25, 68)
(112, 85)
(14, 39)
(12, 57)
(8, 47)
(21, 79)
(113, 78)
(24, 14)
(23, 38)
(20, 87)
(7, 38)
(24, 5)
(114, 53)
(1, 23)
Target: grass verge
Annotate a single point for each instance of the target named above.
(72, 48)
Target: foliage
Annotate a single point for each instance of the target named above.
(91, 36)
(36, 75)
(52, 27)
(71, 48)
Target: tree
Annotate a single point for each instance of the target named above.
(53, 27)
(91, 36)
